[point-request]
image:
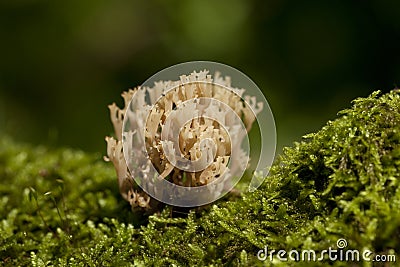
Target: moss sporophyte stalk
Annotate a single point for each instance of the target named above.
(340, 183)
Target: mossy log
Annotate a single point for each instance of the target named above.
(62, 207)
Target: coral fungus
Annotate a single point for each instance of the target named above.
(208, 133)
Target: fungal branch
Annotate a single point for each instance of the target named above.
(135, 197)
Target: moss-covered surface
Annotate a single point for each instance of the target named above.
(62, 207)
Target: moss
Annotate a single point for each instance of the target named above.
(62, 207)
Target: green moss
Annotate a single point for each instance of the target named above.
(62, 207)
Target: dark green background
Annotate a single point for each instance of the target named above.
(63, 62)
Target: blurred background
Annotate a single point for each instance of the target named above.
(63, 62)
